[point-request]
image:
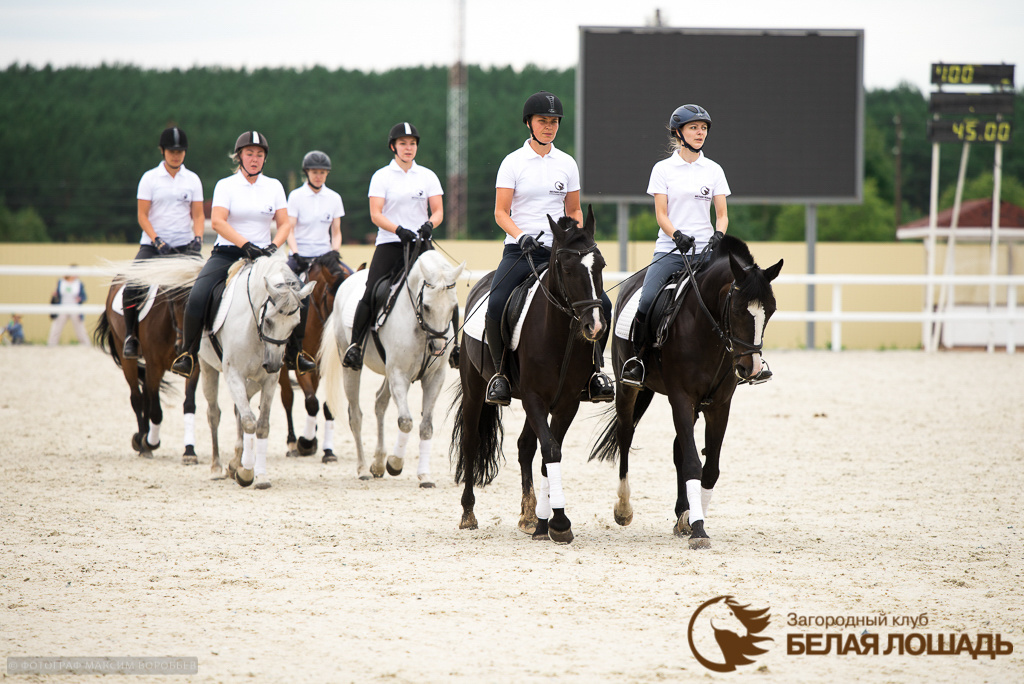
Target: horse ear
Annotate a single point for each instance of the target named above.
(739, 271)
(773, 271)
(306, 289)
(457, 271)
(556, 229)
(588, 225)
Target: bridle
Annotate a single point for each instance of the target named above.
(261, 318)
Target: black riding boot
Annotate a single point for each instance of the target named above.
(633, 368)
(499, 390)
(193, 334)
(453, 358)
(360, 325)
(295, 358)
(600, 389)
(132, 299)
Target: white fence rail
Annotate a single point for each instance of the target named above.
(1008, 314)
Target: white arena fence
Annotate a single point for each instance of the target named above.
(1005, 318)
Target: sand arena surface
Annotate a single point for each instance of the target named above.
(853, 484)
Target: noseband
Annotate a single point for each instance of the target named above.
(262, 316)
(576, 309)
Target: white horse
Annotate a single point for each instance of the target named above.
(262, 299)
(417, 338)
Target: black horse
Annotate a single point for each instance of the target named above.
(713, 344)
(552, 365)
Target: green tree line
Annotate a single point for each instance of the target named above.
(75, 141)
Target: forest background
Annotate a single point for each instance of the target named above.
(75, 141)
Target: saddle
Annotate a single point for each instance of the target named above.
(382, 300)
(666, 307)
(515, 308)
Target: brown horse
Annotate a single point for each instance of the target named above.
(159, 335)
(328, 272)
(555, 360)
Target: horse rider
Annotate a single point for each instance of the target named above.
(401, 194)
(314, 214)
(685, 186)
(245, 205)
(170, 211)
(534, 181)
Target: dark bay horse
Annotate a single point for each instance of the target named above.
(713, 344)
(159, 331)
(555, 360)
(328, 272)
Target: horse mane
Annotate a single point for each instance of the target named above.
(575, 234)
(756, 288)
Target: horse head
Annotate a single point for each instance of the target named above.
(279, 304)
(576, 266)
(432, 283)
(751, 303)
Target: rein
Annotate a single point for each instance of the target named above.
(261, 318)
(417, 308)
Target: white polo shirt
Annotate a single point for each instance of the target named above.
(690, 189)
(406, 195)
(539, 186)
(171, 199)
(315, 212)
(251, 206)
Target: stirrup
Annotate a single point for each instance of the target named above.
(302, 363)
(762, 377)
(131, 347)
(453, 358)
(633, 372)
(353, 357)
(184, 364)
(499, 392)
(599, 389)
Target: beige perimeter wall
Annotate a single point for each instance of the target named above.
(860, 258)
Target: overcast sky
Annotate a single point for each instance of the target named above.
(902, 37)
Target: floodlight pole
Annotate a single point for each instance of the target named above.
(811, 236)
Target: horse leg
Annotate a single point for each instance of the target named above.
(189, 408)
(154, 411)
(307, 441)
(131, 370)
(350, 380)
(625, 405)
(244, 461)
(394, 465)
(263, 433)
(211, 383)
(528, 521)
(715, 422)
(287, 397)
(470, 442)
(398, 384)
(689, 509)
(551, 492)
(431, 385)
(328, 456)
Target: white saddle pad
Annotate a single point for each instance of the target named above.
(356, 281)
(474, 326)
(225, 299)
(624, 320)
(118, 304)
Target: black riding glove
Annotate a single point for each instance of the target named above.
(715, 239)
(426, 230)
(196, 246)
(161, 245)
(527, 243)
(683, 242)
(253, 252)
(270, 249)
(405, 235)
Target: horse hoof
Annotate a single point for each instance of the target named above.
(262, 482)
(306, 447)
(292, 453)
(329, 457)
(217, 473)
(540, 532)
(376, 470)
(244, 477)
(682, 526)
(560, 537)
(189, 459)
(623, 520)
(137, 442)
(396, 469)
(426, 485)
(699, 539)
(468, 521)
(527, 526)
(365, 477)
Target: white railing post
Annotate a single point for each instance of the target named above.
(837, 311)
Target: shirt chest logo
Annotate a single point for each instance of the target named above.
(704, 194)
(559, 189)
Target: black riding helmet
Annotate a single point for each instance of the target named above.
(684, 115)
(173, 138)
(542, 103)
(402, 130)
(315, 159)
(252, 138)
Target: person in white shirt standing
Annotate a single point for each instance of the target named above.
(245, 206)
(170, 213)
(534, 181)
(314, 213)
(403, 193)
(70, 290)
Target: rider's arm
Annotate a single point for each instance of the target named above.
(572, 206)
(436, 205)
(378, 218)
(503, 212)
(336, 233)
(721, 214)
(284, 226)
(144, 222)
(219, 221)
(661, 213)
(198, 220)
(293, 246)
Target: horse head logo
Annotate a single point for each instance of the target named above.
(559, 185)
(705, 190)
(736, 632)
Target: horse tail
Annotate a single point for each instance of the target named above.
(329, 360)
(490, 433)
(607, 447)
(103, 337)
(167, 272)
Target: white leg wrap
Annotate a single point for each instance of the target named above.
(693, 500)
(543, 499)
(705, 499)
(310, 432)
(424, 467)
(261, 455)
(555, 484)
(329, 435)
(248, 450)
(400, 443)
(154, 434)
(190, 429)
